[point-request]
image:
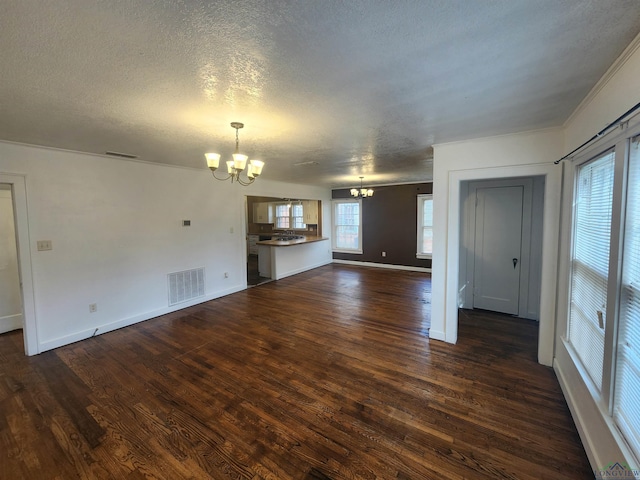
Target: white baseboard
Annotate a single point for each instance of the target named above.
(125, 322)
(383, 265)
(601, 440)
(11, 322)
(301, 270)
(437, 335)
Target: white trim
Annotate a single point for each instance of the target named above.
(420, 200)
(9, 323)
(415, 182)
(125, 322)
(600, 437)
(21, 218)
(334, 202)
(551, 221)
(383, 265)
(604, 80)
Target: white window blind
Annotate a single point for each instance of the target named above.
(425, 226)
(347, 226)
(297, 216)
(626, 409)
(282, 215)
(590, 262)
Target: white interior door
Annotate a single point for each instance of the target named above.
(497, 248)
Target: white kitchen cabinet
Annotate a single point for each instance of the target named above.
(262, 212)
(253, 247)
(310, 211)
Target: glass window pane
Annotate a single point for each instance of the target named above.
(590, 262)
(346, 225)
(626, 407)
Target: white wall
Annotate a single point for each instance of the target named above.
(10, 300)
(617, 92)
(517, 155)
(116, 229)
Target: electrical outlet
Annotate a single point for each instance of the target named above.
(384, 254)
(44, 245)
(93, 307)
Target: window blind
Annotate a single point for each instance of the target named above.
(282, 215)
(347, 225)
(590, 262)
(626, 407)
(425, 224)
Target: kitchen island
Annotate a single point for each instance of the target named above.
(278, 258)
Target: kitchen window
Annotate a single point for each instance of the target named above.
(289, 216)
(347, 226)
(425, 226)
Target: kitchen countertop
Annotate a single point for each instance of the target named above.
(289, 243)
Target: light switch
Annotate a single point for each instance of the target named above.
(44, 245)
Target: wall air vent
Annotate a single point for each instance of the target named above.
(121, 155)
(185, 285)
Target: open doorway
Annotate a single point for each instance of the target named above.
(501, 245)
(16, 258)
(10, 295)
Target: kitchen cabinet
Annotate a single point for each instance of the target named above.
(253, 247)
(262, 212)
(310, 212)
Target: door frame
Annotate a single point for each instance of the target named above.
(20, 217)
(468, 263)
(550, 231)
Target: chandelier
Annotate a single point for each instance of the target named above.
(236, 166)
(361, 192)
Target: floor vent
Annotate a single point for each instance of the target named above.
(185, 285)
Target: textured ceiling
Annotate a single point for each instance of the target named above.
(348, 88)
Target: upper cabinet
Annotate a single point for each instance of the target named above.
(310, 211)
(263, 212)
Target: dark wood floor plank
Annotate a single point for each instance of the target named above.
(329, 374)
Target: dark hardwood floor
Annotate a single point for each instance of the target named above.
(329, 374)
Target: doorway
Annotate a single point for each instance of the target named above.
(16, 185)
(501, 248)
(10, 294)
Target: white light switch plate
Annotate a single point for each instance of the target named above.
(44, 245)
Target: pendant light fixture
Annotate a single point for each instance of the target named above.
(362, 192)
(236, 166)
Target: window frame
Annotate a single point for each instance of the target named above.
(604, 400)
(334, 203)
(421, 198)
(292, 223)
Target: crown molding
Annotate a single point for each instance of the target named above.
(604, 80)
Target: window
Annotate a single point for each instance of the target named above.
(347, 226)
(297, 216)
(290, 216)
(590, 262)
(425, 226)
(603, 331)
(626, 408)
(282, 215)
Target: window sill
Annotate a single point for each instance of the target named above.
(423, 255)
(357, 252)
